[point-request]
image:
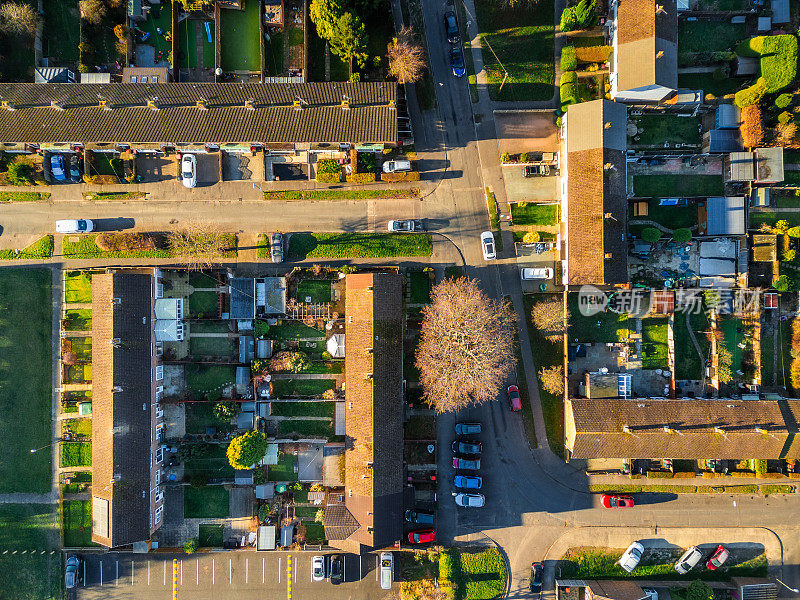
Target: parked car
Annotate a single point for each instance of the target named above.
(337, 569)
(419, 517)
(616, 500)
(468, 428)
(650, 161)
(537, 571)
(468, 482)
(276, 247)
(466, 447)
(718, 559)
(631, 557)
(690, 559)
(74, 226)
(457, 62)
(189, 170)
(73, 572)
(487, 244)
(75, 168)
(451, 27)
(536, 171)
(396, 166)
(422, 536)
(470, 500)
(387, 570)
(405, 226)
(318, 568)
(466, 464)
(514, 401)
(57, 167)
(650, 594)
(536, 273)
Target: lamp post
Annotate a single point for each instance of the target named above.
(791, 589)
(35, 450)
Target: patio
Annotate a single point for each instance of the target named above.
(530, 189)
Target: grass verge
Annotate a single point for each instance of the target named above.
(24, 196)
(387, 193)
(37, 574)
(358, 245)
(40, 249)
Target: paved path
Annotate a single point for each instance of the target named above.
(18, 498)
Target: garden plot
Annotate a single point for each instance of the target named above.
(666, 131)
(654, 347)
(206, 502)
(77, 523)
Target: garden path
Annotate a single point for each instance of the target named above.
(304, 376)
(19, 498)
(706, 69)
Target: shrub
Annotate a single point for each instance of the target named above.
(569, 77)
(505, 157)
(681, 236)
(783, 100)
(568, 94)
(651, 234)
(531, 237)
(263, 513)
(328, 165)
(751, 95)
(190, 547)
(793, 232)
(784, 117)
(20, 172)
(400, 176)
(752, 128)
(593, 54)
(127, 242)
(790, 255)
(446, 567)
(569, 19)
(580, 16)
(778, 61)
(289, 361)
(781, 283)
(526, 157)
(121, 31)
(361, 178)
(569, 58)
(760, 466)
(328, 177)
(685, 475)
(782, 226)
(659, 475)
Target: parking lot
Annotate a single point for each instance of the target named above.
(239, 575)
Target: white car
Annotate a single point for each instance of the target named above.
(318, 568)
(536, 273)
(470, 500)
(395, 166)
(189, 170)
(631, 557)
(74, 226)
(487, 245)
(387, 570)
(404, 225)
(690, 559)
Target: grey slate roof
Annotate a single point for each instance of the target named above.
(725, 216)
(243, 298)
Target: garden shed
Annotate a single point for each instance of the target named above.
(725, 216)
(740, 166)
(335, 345)
(727, 116)
(264, 349)
(287, 535)
(780, 11)
(266, 537)
(769, 165)
(247, 349)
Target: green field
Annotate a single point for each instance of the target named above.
(661, 129)
(76, 454)
(38, 574)
(25, 379)
(358, 245)
(78, 287)
(241, 38)
(709, 36)
(206, 502)
(476, 575)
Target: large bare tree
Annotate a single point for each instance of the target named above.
(93, 11)
(548, 317)
(200, 246)
(406, 57)
(18, 18)
(467, 346)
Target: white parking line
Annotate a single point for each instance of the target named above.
(84, 573)
(131, 572)
(213, 571)
(230, 572)
(279, 569)
(101, 573)
(296, 567)
(246, 569)
(148, 572)
(262, 569)
(197, 571)
(165, 572)
(344, 569)
(181, 572)
(116, 579)
(377, 567)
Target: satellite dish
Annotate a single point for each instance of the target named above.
(431, 448)
(218, 71)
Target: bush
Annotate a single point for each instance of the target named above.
(569, 77)
(568, 94)
(752, 128)
(446, 567)
(190, 547)
(781, 283)
(128, 242)
(329, 178)
(531, 237)
(651, 234)
(593, 54)
(263, 513)
(681, 236)
(328, 165)
(790, 255)
(578, 17)
(784, 117)
(569, 20)
(783, 101)
(569, 58)
(760, 466)
(20, 172)
(778, 61)
(361, 178)
(505, 157)
(400, 176)
(751, 95)
(121, 31)
(660, 475)
(793, 232)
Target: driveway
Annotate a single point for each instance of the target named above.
(156, 166)
(526, 131)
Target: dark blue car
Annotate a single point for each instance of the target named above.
(457, 62)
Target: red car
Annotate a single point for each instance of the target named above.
(422, 536)
(616, 501)
(717, 559)
(514, 401)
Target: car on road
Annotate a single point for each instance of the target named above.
(337, 569)
(405, 226)
(318, 568)
(468, 482)
(387, 570)
(690, 559)
(451, 27)
(514, 401)
(631, 557)
(457, 62)
(276, 247)
(718, 559)
(466, 463)
(536, 273)
(422, 536)
(487, 245)
(72, 572)
(420, 517)
(470, 500)
(537, 571)
(468, 428)
(57, 167)
(74, 226)
(189, 170)
(466, 447)
(75, 168)
(396, 166)
(616, 500)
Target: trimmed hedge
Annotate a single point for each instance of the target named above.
(751, 95)
(778, 61)
(361, 178)
(783, 101)
(569, 59)
(593, 54)
(402, 176)
(660, 475)
(329, 178)
(569, 77)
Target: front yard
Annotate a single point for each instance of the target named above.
(77, 287)
(529, 213)
(76, 518)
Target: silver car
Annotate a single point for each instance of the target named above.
(387, 570)
(189, 170)
(470, 500)
(318, 568)
(631, 557)
(276, 247)
(487, 245)
(690, 559)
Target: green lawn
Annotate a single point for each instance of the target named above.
(477, 575)
(76, 454)
(603, 327)
(709, 36)
(77, 523)
(100, 164)
(284, 470)
(78, 287)
(202, 280)
(204, 303)
(24, 196)
(420, 287)
(305, 511)
(658, 129)
(34, 575)
(671, 186)
(654, 343)
(274, 52)
(732, 337)
(305, 428)
(672, 217)
(319, 290)
(709, 85)
(84, 246)
(210, 327)
(78, 319)
(200, 415)
(17, 59)
(25, 379)
(315, 532)
(209, 379)
(159, 17)
(687, 363)
(210, 536)
(206, 502)
(211, 346)
(82, 347)
(212, 464)
(303, 409)
(38, 250)
(79, 427)
(62, 30)
(302, 387)
(757, 218)
(522, 38)
(358, 245)
(241, 38)
(528, 213)
(293, 330)
(187, 48)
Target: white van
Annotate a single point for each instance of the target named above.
(74, 226)
(394, 166)
(536, 273)
(387, 570)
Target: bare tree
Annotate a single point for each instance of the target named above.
(548, 318)
(467, 346)
(200, 246)
(19, 19)
(406, 57)
(93, 11)
(552, 379)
